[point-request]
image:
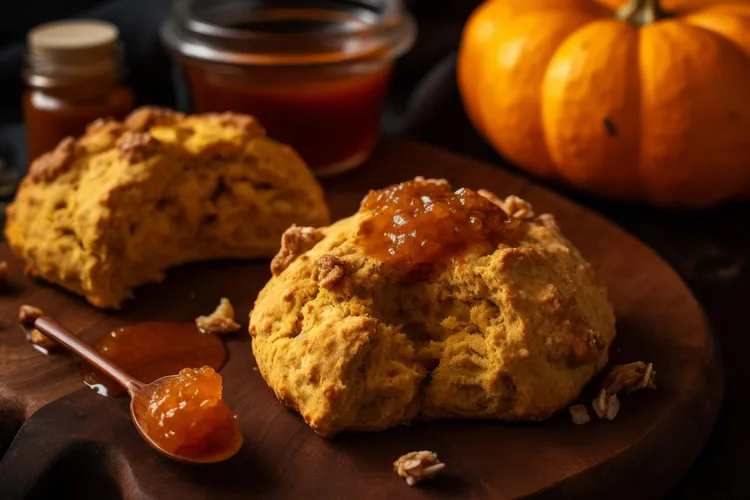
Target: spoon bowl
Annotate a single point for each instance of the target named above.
(140, 398)
(140, 393)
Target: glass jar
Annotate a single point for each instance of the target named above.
(73, 73)
(313, 72)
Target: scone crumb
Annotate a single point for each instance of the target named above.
(3, 274)
(38, 338)
(606, 406)
(631, 377)
(418, 465)
(579, 414)
(28, 314)
(295, 241)
(330, 270)
(219, 321)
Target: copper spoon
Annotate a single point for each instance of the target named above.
(140, 393)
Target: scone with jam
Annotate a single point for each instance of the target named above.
(115, 208)
(430, 303)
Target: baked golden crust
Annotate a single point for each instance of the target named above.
(512, 335)
(115, 208)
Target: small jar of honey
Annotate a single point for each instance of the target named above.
(314, 72)
(73, 72)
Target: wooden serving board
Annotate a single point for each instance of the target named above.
(76, 444)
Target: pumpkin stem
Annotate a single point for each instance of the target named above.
(641, 12)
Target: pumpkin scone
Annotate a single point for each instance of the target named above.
(427, 304)
(117, 207)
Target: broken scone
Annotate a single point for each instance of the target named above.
(115, 208)
(430, 303)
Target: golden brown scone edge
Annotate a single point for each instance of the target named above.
(513, 335)
(115, 208)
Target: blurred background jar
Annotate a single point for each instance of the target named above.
(313, 72)
(74, 71)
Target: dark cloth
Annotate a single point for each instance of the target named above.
(709, 249)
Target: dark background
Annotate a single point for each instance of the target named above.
(710, 248)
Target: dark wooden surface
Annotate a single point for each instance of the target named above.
(83, 445)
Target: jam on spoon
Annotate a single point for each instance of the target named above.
(181, 416)
(187, 417)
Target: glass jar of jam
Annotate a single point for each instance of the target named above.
(314, 72)
(73, 73)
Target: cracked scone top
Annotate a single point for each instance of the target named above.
(430, 304)
(115, 208)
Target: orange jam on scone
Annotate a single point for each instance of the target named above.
(417, 225)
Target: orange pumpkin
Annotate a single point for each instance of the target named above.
(621, 98)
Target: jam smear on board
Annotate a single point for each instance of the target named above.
(152, 350)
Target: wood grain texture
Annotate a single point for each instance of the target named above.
(77, 443)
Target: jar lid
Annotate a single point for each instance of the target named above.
(73, 40)
(71, 49)
(288, 32)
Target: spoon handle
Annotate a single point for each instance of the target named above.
(65, 337)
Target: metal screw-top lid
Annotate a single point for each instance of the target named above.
(72, 49)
